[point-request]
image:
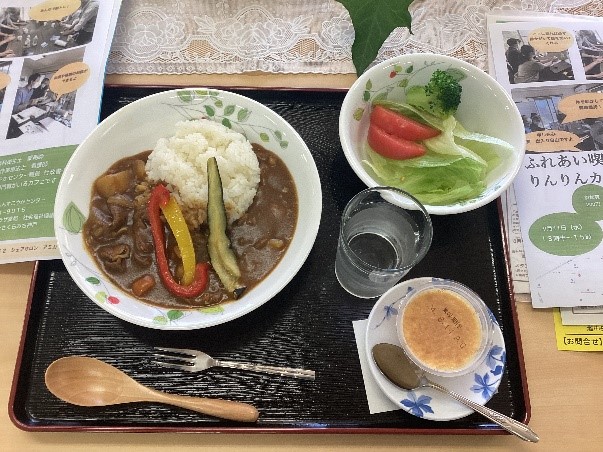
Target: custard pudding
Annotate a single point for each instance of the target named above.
(444, 329)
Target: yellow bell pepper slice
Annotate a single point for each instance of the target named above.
(173, 215)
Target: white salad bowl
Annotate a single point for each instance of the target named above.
(136, 128)
(485, 108)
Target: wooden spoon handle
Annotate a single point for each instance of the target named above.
(225, 409)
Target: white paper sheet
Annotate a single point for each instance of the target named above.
(378, 402)
(37, 138)
(548, 183)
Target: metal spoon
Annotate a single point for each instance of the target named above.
(88, 381)
(395, 365)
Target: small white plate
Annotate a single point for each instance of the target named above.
(479, 385)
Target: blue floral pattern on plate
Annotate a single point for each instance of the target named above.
(479, 386)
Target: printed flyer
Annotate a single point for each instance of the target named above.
(52, 63)
(554, 72)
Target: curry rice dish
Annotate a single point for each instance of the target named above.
(118, 232)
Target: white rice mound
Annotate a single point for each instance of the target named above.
(181, 163)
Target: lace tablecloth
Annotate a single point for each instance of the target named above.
(293, 36)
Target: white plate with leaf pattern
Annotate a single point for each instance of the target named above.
(485, 107)
(136, 128)
(479, 385)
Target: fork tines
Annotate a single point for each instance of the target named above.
(178, 351)
(178, 358)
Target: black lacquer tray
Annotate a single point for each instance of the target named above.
(308, 324)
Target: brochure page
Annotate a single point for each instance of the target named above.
(52, 63)
(554, 72)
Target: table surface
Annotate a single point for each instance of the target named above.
(564, 387)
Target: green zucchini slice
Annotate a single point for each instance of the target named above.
(223, 258)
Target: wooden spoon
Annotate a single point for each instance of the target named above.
(88, 381)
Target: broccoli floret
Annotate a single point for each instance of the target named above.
(440, 97)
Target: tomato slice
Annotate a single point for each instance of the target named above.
(391, 146)
(400, 125)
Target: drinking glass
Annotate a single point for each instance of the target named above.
(384, 233)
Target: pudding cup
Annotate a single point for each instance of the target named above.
(444, 328)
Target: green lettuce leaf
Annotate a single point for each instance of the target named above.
(462, 133)
(433, 178)
(455, 167)
(445, 143)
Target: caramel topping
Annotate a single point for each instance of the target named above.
(442, 329)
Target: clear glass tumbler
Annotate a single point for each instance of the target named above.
(384, 233)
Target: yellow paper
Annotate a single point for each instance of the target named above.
(551, 39)
(53, 9)
(580, 338)
(69, 78)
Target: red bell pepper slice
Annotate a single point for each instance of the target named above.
(160, 196)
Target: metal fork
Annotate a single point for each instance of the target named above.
(196, 361)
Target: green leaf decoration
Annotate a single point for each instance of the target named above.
(218, 103)
(264, 137)
(226, 122)
(403, 83)
(397, 68)
(369, 85)
(201, 92)
(381, 96)
(174, 314)
(93, 280)
(160, 320)
(366, 96)
(284, 144)
(243, 114)
(278, 134)
(101, 296)
(212, 310)
(186, 96)
(373, 22)
(410, 69)
(229, 110)
(73, 219)
(210, 110)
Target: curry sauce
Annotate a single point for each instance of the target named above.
(118, 236)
